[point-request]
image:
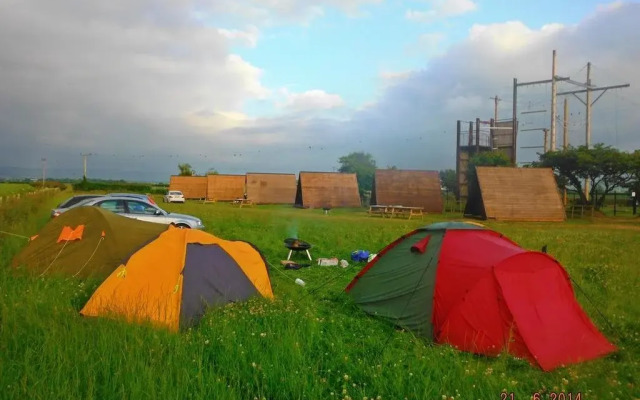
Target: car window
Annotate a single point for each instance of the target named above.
(134, 195)
(82, 203)
(176, 193)
(77, 199)
(138, 207)
(116, 206)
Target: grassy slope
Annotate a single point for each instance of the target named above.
(13, 188)
(310, 342)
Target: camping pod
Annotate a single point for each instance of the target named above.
(85, 242)
(514, 194)
(478, 291)
(172, 280)
(327, 190)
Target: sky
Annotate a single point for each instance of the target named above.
(292, 85)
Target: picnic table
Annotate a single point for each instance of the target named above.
(243, 202)
(396, 211)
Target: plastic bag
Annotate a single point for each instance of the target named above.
(360, 255)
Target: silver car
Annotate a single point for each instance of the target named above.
(72, 202)
(143, 210)
(79, 200)
(135, 195)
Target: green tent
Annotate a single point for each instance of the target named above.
(85, 242)
(400, 287)
(478, 291)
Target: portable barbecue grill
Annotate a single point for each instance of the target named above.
(297, 245)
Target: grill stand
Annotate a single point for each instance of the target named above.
(291, 251)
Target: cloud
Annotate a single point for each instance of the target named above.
(388, 79)
(276, 12)
(138, 77)
(247, 38)
(512, 35)
(442, 9)
(125, 72)
(394, 76)
(413, 123)
(428, 44)
(149, 87)
(610, 6)
(311, 100)
(209, 120)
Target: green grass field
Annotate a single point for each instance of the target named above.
(310, 342)
(14, 188)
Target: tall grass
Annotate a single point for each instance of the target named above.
(310, 342)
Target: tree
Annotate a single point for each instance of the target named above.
(634, 185)
(364, 166)
(494, 158)
(186, 169)
(609, 169)
(604, 167)
(568, 167)
(212, 171)
(449, 180)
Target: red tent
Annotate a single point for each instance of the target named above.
(480, 292)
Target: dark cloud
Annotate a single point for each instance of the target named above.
(147, 85)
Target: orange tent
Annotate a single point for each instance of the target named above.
(172, 280)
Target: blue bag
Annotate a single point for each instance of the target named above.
(360, 255)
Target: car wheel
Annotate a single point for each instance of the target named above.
(182, 226)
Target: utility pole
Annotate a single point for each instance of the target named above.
(565, 140)
(554, 79)
(589, 89)
(495, 107)
(565, 125)
(44, 169)
(477, 136)
(546, 140)
(587, 138)
(553, 102)
(84, 164)
(589, 104)
(494, 121)
(514, 129)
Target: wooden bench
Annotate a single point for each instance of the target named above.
(407, 212)
(581, 208)
(243, 203)
(396, 211)
(378, 210)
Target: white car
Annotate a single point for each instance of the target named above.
(173, 196)
(143, 210)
